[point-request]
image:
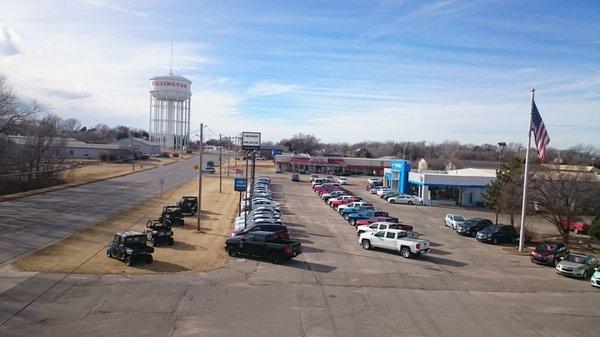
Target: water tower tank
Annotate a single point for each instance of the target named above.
(170, 102)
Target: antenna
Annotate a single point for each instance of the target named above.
(171, 70)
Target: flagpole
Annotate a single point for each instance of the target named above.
(524, 206)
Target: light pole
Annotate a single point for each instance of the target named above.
(501, 145)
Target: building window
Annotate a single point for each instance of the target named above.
(70, 152)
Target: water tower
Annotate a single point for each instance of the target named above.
(170, 111)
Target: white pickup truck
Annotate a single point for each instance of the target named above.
(382, 225)
(394, 239)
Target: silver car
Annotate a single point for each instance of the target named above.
(577, 265)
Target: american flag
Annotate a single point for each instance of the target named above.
(539, 131)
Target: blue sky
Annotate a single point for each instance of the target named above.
(342, 70)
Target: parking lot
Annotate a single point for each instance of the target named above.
(335, 288)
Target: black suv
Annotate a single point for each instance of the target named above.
(129, 247)
(472, 226)
(497, 233)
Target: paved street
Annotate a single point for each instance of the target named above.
(463, 288)
(33, 222)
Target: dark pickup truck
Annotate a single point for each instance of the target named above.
(263, 244)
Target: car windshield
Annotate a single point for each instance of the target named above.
(546, 246)
(458, 218)
(576, 259)
(135, 240)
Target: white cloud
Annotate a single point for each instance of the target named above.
(8, 42)
(112, 6)
(270, 88)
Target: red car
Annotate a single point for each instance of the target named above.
(334, 203)
(577, 227)
(376, 219)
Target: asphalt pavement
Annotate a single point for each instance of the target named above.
(335, 288)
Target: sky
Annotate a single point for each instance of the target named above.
(345, 71)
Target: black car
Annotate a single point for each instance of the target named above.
(497, 233)
(279, 231)
(549, 253)
(472, 226)
(188, 205)
(295, 177)
(172, 215)
(130, 247)
(263, 244)
(158, 232)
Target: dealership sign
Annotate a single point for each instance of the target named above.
(250, 140)
(240, 184)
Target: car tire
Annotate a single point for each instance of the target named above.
(232, 251)
(171, 241)
(149, 223)
(392, 202)
(405, 252)
(410, 202)
(181, 223)
(108, 253)
(149, 259)
(353, 222)
(495, 241)
(129, 261)
(154, 243)
(366, 244)
(275, 258)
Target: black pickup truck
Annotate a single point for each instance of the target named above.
(263, 244)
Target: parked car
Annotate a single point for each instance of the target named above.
(345, 199)
(209, 169)
(356, 209)
(278, 170)
(382, 191)
(374, 181)
(295, 177)
(188, 205)
(495, 234)
(403, 199)
(452, 220)
(577, 265)
(342, 180)
(171, 215)
(379, 226)
(341, 208)
(595, 281)
(377, 219)
(330, 178)
(158, 232)
(130, 247)
(368, 214)
(279, 231)
(373, 190)
(549, 253)
(396, 240)
(472, 226)
(389, 194)
(577, 227)
(313, 177)
(263, 244)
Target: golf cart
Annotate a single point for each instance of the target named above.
(158, 232)
(171, 215)
(129, 247)
(188, 205)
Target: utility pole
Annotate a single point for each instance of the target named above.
(253, 174)
(200, 149)
(246, 202)
(132, 152)
(220, 164)
(228, 152)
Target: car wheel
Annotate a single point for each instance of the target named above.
(129, 261)
(366, 244)
(392, 201)
(149, 258)
(495, 241)
(232, 251)
(353, 222)
(576, 231)
(154, 243)
(171, 241)
(410, 203)
(555, 262)
(585, 275)
(405, 252)
(275, 258)
(108, 253)
(149, 223)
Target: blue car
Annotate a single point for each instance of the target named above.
(368, 214)
(356, 209)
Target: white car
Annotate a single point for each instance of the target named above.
(403, 199)
(595, 281)
(453, 220)
(383, 191)
(343, 180)
(381, 226)
(351, 205)
(396, 240)
(374, 180)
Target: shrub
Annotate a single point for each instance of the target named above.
(175, 155)
(595, 228)
(104, 156)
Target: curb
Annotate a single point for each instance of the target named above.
(26, 194)
(524, 253)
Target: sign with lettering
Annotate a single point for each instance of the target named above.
(240, 184)
(250, 140)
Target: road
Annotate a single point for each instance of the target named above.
(463, 288)
(30, 223)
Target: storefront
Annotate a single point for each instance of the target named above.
(331, 165)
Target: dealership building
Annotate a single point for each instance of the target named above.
(289, 162)
(464, 187)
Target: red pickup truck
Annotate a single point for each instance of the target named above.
(577, 226)
(335, 202)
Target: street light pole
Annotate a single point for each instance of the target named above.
(200, 149)
(220, 164)
(501, 145)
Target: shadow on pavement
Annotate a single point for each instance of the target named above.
(439, 252)
(160, 267)
(445, 262)
(316, 267)
(178, 245)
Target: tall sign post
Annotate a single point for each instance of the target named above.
(220, 164)
(200, 149)
(250, 142)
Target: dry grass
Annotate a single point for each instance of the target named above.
(84, 251)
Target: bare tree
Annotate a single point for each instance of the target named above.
(561, 197)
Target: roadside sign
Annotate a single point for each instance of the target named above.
(250, 140)
(240, 184)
